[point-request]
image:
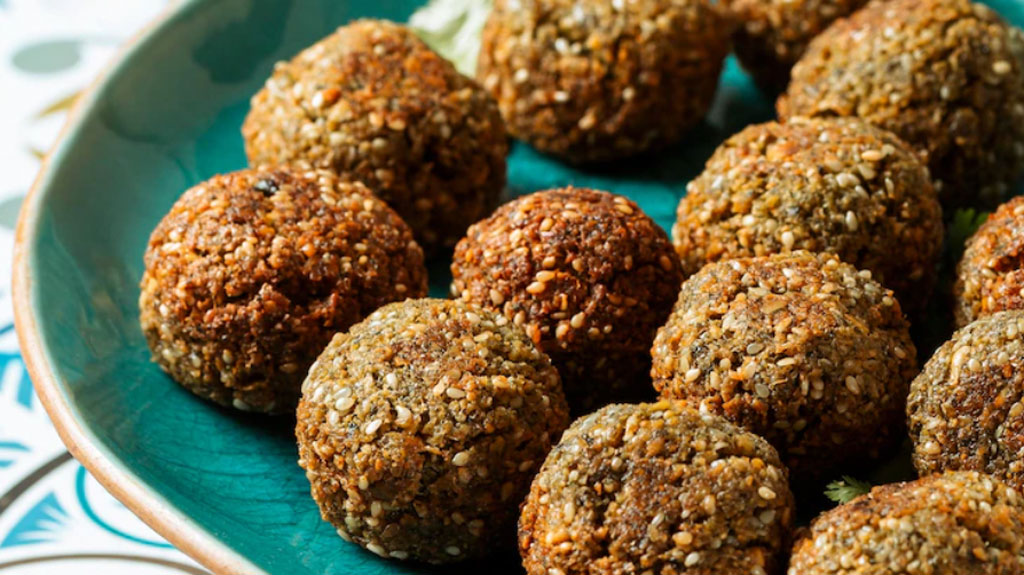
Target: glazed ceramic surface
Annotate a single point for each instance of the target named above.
(222, 485)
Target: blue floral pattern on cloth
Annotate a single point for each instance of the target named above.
(54, 517)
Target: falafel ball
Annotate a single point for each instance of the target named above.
(951, 524)
(966, 409)
(421, 428)
(602, 80)
(590, 277)
(824, 185)
(373, 103)
(251, 273)
(656, 488)
(773, 34)
(947, 76)
(801, 349)
(990, 277)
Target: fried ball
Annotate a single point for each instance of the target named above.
(966, 408)
(590, 277)
(421, 428)
(375, 104)
(656, 488)
(990, 276)
(606, 79)
(823, 185)
(953, 524)
(251, 273)
(801, 349)
(947, 76)
(773, 34)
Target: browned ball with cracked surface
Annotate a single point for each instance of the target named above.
(601, 80)
(953, 524)
(375, 104)
(657, 488)
(802, 349)
(966, 409)
(421, 428)
(590, 277)
(947, 76)
(251, 273)
(773, 34)
(990, 276)
(824, 185)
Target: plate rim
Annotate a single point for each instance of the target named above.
(151, 507)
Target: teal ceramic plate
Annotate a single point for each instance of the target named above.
(222, 486)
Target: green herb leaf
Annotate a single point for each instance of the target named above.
(453, 29)
(846, 489)
(963, 225)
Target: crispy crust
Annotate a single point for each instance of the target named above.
(944, 75)
(966, 409)
(375, 104)
(950, 524)
(801, 349)
(590, 277)
(990, 276)
(421, 428)
(823, 185)
(773, 34)
(656, 488)
(587, 81)
(251, 273)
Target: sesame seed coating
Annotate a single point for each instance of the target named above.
(656, 488)
(801, 349)
(947, 76)
(590, 277)
(421, 428)
(601, 80)
(953, 524)
(823, 185)
(375, 104)
(773, 34)
(251, 273)
(966, 409)
(990, 276)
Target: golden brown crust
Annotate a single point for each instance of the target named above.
(823, 185)
(251, 273)
(772, 35)
(990, 277)
(590, 277)
(966, 409)
(952, 524)
(656, 488)
(421, 428)
(947, 76)
(375, 104)
(594, 81)
(801, 349)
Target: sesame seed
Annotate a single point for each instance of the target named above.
(461, 459)
(399, 554)
(496, 297)
(766, 493)
(391, 379)
(562, 330)
(755, 348)
(545, 276)
(788, 240)
(872, 156)
(344, 404)
(373, 426)
(404, 415)
(762, 390)
(546, 224)
(452, 550)
(692, 559)
(376, 549)
(624, 208)
(455, 393)
(578, 320)
(682, 539)
(665, 262)
(1002, 67)
(851, 221)
(847, 180)
(692, 375)
(536, 288)
(852, 384)
(561, 96)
